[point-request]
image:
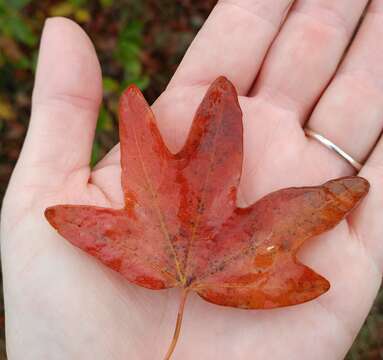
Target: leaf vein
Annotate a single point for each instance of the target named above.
(161, 220)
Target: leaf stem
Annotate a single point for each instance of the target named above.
(177, 329)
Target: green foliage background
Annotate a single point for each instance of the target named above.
(138, 41)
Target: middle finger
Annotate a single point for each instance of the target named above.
(307, 52)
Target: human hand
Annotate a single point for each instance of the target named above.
(61, 304)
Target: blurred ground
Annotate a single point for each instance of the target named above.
(138, 41)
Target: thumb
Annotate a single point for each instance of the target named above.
(66, 98)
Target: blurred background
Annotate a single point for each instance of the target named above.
(137, 41)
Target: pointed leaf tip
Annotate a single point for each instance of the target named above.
(224, 85)
(48, 212)
(133, 89)
(355, 185)
(132, 92)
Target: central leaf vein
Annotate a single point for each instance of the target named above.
(160, 216)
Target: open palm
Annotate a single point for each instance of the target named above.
(61, 304)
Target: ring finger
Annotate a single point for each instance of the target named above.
(350, 113)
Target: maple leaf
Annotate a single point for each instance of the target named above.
(181, 227)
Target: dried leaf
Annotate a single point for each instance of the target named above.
(181, 226)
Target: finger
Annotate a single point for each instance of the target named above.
(232, 42)
(367, 220)
(355, 95)
(350, 113)
(307, 52)
(66, 98)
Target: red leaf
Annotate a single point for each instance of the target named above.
(181, 227)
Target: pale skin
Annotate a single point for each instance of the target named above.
(290, 72)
